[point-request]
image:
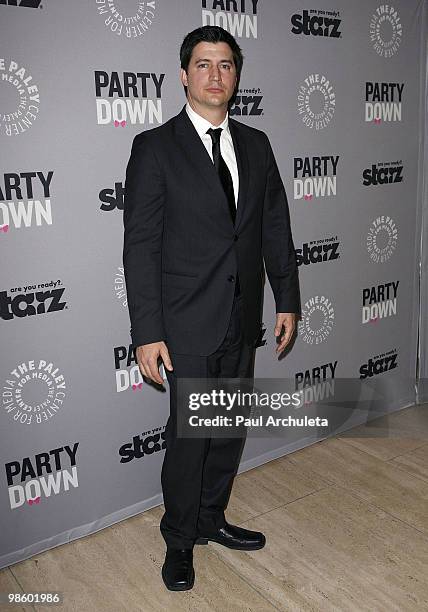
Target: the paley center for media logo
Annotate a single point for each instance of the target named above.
(33, 392)
(382, 239)
(131, 24)
(317, 319)
(386, 30)
(316, 101)
(19, 93)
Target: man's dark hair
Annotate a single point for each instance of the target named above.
(212, 34)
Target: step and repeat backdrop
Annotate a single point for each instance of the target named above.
(336, 86)
(422, 383)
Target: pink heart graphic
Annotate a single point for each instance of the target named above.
(121, 123)
(377, 121)
(4, 229)
(139, 386)
(36, 500)
(308, 197)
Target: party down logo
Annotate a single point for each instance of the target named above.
(315, 177)
(31, 480)
(25, 200)
(128, 375)
(133, 98)
(379, 302)
(239, 17)
(383, 102)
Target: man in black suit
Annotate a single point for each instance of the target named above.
(204, 206)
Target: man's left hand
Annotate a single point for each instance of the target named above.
(286, 320)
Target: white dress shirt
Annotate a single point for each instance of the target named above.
(226, 144)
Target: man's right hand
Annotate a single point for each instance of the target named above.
(147, 358)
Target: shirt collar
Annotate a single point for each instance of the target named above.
(202, 125)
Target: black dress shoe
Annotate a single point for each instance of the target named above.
(236, 538)
(177, 571)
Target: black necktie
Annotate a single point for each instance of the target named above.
(223, 171)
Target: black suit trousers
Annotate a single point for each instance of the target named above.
(197, 473)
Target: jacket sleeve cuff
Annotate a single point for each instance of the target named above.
(139, 338)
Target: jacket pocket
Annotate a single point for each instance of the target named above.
(179, 280)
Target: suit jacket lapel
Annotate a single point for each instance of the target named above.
(242, 161)
(200, 159)
(198, 156)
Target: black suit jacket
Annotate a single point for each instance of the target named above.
(182, 252)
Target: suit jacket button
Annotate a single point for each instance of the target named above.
(231, 278)
(235, 238)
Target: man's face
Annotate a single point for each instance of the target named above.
(211, 75)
